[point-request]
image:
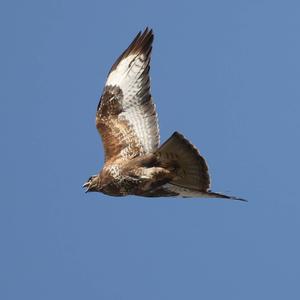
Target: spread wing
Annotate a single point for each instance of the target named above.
(126, 117)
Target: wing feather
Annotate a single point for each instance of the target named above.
(126, 115)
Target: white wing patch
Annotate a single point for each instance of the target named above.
(131, 76)
(144, 127)
(118, 76)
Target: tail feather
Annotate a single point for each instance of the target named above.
(191, 166)
(192, 178)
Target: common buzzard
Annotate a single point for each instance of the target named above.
(126, 119)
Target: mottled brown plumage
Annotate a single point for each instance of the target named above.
(127, 122)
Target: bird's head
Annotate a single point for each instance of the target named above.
(92, 184)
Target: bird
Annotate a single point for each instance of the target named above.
(135, 163)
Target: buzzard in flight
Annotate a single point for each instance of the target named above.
(135, 163)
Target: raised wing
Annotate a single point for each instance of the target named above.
(126, 117)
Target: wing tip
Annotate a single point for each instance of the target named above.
(141, 44)
(218, 195)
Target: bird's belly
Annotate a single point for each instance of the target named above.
(122, 186)
(135, 180)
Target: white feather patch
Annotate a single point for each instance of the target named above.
(127, 76)
(121, 76)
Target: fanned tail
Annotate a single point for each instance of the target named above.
(191, 166)
(192, 178)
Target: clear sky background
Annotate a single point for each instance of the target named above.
(224, 73)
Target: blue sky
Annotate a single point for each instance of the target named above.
(225, 74)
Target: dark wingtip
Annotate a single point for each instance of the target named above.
(142, 43)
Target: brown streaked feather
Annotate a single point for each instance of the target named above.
(126, 117)
(117, 135)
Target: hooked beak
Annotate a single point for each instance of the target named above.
(86, 185)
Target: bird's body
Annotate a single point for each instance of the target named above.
(126, 119)
(135, 177)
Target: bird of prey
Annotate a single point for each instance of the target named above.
(135, 162)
